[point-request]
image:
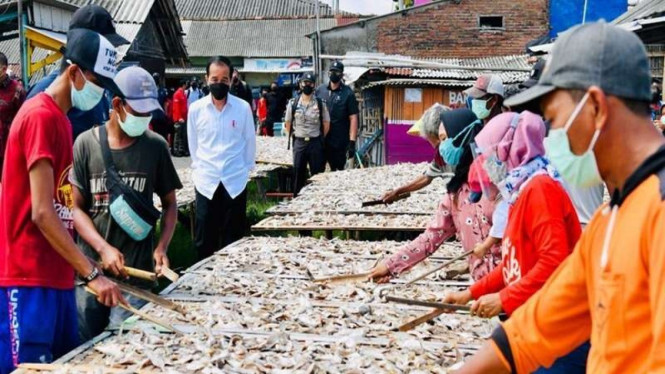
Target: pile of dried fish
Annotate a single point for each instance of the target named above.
(350, 202)
(272, 150)
(337, 221)
(252, 308)
(375, 179)
(186, 194)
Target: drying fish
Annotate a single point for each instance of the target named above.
(272, 150)
(252, 308)
(336, 221)
(351, 202)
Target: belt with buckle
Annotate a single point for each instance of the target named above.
(307, 139)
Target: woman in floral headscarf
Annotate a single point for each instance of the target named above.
(456, 214)
(542, 228)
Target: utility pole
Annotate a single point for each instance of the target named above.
(21, 43)
(586, 3)
(318, 66)
(400, 4)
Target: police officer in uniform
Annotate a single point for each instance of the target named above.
(343, 107)
(308, 121)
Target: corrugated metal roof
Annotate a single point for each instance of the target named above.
(11, 49)
(645, 9)
(215, 10)
(174, 70)
(123, 11)
(419, 82)
(511, 69)
(252, 38)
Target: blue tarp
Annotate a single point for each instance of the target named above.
(567, 13)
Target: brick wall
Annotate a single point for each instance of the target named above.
(451, 29)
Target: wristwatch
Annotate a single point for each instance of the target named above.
(92, 276)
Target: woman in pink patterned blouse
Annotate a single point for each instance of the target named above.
(456, 214)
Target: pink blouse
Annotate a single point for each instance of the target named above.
(470, 222)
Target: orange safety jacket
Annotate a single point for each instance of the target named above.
(616, 299)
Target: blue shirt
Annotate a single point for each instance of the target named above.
(81, 121)
(222, 145)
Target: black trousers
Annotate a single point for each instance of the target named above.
(219, 222)
(267, 127)
(336, 158)
(306, 153)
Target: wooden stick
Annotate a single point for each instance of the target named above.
(380, 201)
(444, 306)
(422, 319)
(442, 266)
(141, 314)
(343, 278)
(54, 367)
(170, 274)
(141, 274)
(150, 297)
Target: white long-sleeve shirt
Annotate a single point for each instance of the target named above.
(222, 145)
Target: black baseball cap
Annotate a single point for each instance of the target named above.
(96, 18)
(536, 72)
(594, 54)
(94, 53)
(337, 66)
(309, 77)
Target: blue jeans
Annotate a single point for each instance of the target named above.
(572, 363)
(37, 325)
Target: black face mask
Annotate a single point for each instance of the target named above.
(219, 90)
(335, 77)
(307, 90)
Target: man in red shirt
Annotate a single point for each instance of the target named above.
(179, 117)
(38, 320)
(12, 96)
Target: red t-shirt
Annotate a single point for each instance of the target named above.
(40, 131)
(542, 231)
(179, 105)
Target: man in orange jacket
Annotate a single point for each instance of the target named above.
(595, 92)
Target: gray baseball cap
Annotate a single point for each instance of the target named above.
(594, 54)
(138, 88)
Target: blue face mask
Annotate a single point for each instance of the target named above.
(479, 108)
(452, 154)
(88, 97)
(134, 126)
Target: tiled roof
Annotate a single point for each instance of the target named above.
(511, 69)
(250, 9)
(645, 9)
(251, 38)
(419, 82)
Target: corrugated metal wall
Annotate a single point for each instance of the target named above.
(51, 18)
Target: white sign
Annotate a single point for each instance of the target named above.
(413, 95)
(254, 64)
(457, 98)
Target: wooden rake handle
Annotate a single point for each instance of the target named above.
(141, 314)
(343, 278)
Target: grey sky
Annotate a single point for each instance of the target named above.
(365, 6)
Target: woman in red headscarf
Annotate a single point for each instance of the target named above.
(542, 228)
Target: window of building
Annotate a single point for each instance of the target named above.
(490, 23)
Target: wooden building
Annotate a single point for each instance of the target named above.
(394, 92)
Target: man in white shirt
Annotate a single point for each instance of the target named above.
(194, 93)
(220, 129)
